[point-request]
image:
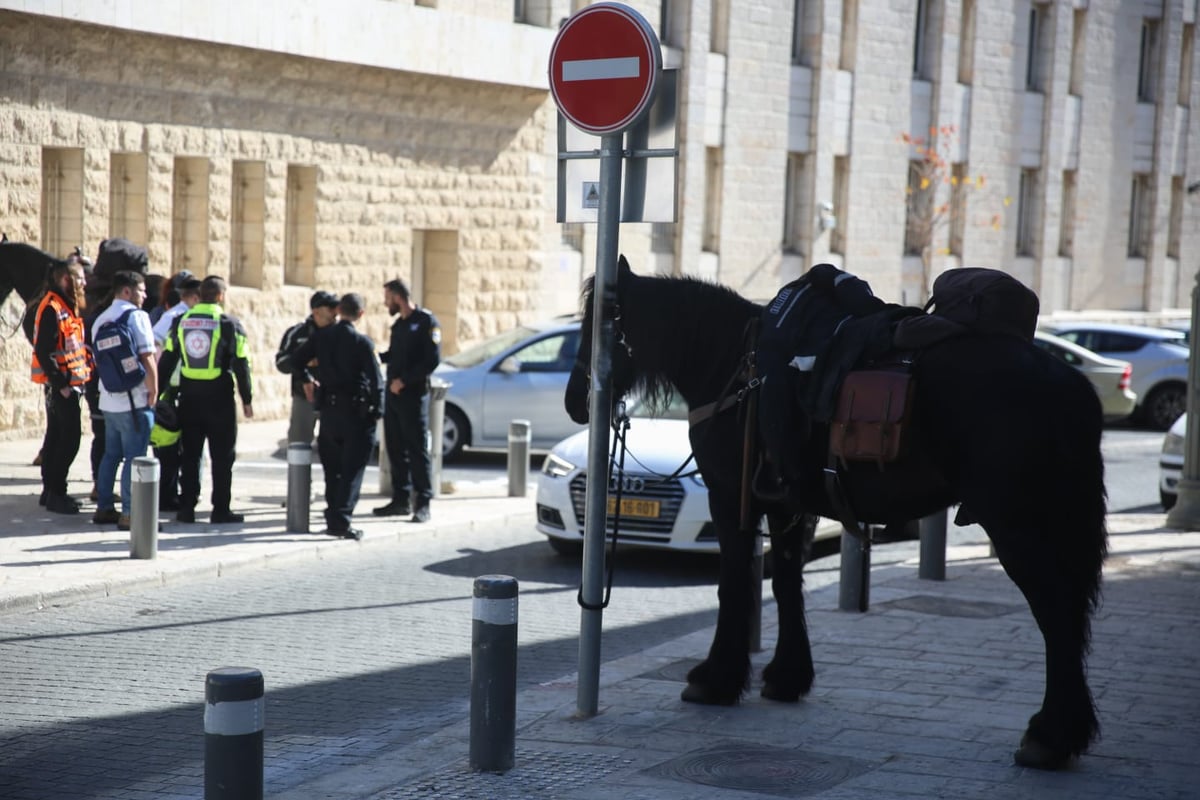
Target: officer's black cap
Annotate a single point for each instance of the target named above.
(323, 299)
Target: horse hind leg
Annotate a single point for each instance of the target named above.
(1061, 586)
(789, 675)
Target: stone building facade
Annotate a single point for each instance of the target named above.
(321, 144)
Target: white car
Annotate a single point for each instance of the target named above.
(1170, 464)
(655, 512)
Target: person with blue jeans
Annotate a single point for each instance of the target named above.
(129, 415)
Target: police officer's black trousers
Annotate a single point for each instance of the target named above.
(168, 480)
(207, 416)
(405, 427)
(344, 446)
(63, 431)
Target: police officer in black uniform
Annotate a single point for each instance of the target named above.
(210, 347)
(350, 401)
(413, 353)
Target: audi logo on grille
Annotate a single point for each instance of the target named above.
(628, 484)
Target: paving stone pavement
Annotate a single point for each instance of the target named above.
(925, 695)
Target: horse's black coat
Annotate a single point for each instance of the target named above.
(1002, 428)
(23, 268)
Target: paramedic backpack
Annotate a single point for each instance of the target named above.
(116, 359)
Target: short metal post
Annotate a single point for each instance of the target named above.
(233, 734)
(933, 546)
(854, 589)
(143, 508)
(519, 436)
(299, 486)
(437, 425)
(493, 673)
(385, 463)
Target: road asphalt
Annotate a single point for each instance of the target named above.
(924, 695)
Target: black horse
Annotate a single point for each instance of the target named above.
(23, 268)
(999, 426)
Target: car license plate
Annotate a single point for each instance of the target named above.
(634, 507)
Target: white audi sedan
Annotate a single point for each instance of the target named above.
(657, 510)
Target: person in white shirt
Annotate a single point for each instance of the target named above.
(128, 416)
(189, 295)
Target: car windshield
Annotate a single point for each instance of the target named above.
(490, 348)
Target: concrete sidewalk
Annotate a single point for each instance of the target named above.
(48, 558)
(926, 695)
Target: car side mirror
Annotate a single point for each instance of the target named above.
(510, 365)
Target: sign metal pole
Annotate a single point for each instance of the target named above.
(604, 299)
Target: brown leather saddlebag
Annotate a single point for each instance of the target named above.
(872, 416)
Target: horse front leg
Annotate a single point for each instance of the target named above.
(725, 674)
(789, 675)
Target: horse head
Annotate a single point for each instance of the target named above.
(623, 368)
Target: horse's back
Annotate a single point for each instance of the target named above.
(1014, 428)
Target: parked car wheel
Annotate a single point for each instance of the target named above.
(456, 432)
(1167, 500)
(1164, 406)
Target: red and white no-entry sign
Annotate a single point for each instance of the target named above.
(604, 66)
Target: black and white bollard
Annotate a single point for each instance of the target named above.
(493, 673)
(299, 487)
(520, 434)
(933, 546)
(143, 508)
(854, 588)
(233, 734)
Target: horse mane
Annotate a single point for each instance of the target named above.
(708, 317)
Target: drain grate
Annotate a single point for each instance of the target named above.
(765, 770)
(676, 671)
(537, 775)
(951, 607)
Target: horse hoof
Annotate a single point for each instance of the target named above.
(772, 691)
(697, 693)
(1035, 755)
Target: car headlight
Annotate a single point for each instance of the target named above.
(557, 467)
(1173, 444)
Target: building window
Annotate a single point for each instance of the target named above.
(300, 226)
(189, 215)
(247, 223)
(849, 41)
(918, 227)
(712, 200)
(806, 33)
(572, 235)
(924, 42)
(62, 199)
(1027, 216)
(841, 204)
(958, 207)
(127, 196)
(662, 237)
(1148, 62)
(966, 44)
(1037, 59)
(718, 38)
(1175, 222)
(1066, 229)
(1140, 205)
(1187, 47)
(1078, 48)
(666, 24)
(798, 211)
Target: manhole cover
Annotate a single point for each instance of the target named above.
(766, 770)
(675, 671)
(536, 775)
(950, 606)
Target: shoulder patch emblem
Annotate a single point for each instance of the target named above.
(435, 333)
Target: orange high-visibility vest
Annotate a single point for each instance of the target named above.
(71, 355)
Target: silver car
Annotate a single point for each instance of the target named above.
(1159, 357)
(1110, 377)
(520, 374)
